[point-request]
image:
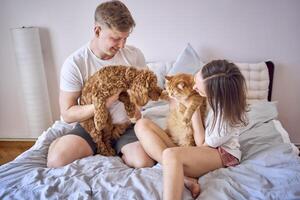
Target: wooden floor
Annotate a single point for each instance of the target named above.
(9, 150)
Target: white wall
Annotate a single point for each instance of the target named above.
(243, 31)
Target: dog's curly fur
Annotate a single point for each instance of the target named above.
(138, 87)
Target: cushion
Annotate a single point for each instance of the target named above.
(188, 61)
(160, 69)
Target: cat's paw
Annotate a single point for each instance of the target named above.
(181, 108)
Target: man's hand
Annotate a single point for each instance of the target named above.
(112, 99)
(138, 114)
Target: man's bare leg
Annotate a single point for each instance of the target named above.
(66, 149)
(135, 156)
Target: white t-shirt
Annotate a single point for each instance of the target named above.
(227, 138)
(82, 64)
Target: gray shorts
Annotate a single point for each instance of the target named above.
(126, 138)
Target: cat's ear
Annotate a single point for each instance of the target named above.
(168, 78)
(181, 85)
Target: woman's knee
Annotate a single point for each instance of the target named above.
(141, 125)
(170, 155)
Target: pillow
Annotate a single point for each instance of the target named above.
(188, 62)
(160, 69)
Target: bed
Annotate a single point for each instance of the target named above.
(270, 166)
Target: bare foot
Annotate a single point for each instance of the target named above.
(192, 185)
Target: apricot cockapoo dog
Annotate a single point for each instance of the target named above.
(138, 86)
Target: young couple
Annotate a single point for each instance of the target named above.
(146, 143)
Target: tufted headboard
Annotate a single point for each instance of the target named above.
(259, 80)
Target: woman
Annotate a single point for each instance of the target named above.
(217, 143)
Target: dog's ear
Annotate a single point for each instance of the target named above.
(168, 78)
(130, 73)
(135, 93)
(151, 79)
(151, 84)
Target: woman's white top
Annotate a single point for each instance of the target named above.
(227, 138)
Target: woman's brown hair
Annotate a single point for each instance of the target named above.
(225, 89)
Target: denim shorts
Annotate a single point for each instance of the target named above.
(126, 138)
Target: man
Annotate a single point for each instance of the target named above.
(113, 25)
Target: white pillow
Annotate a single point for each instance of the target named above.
(160, 69)
(188, 62)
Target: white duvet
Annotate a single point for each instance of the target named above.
(270, 168)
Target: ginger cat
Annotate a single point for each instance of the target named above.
(179, 126)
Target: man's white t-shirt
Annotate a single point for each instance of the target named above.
(227, 138)
(82, 64)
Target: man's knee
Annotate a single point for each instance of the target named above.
(65, 150)
(135, 156)
(56, 157)
(56, 160)
(138, 162)
(53, 159)
(143, 161)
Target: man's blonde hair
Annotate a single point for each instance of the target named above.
(114, 14)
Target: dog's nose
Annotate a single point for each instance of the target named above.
(155, 94)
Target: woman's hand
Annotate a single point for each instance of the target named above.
(199, 132)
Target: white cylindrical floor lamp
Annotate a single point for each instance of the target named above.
(33, 80)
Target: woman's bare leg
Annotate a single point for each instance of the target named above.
(173, 177)
(189, 161)
(153, 139)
